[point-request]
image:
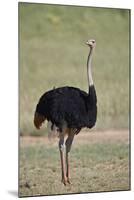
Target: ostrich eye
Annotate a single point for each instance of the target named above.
(93, 41)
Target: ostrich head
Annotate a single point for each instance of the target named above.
(91, 43)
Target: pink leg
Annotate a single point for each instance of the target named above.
(68, 148)
(68, 168)
(61, 148)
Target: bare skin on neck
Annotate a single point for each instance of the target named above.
(91, 44)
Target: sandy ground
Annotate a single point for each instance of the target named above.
(84, 137)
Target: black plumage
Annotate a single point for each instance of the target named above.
(69, 106)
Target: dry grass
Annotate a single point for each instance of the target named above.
(99, 162)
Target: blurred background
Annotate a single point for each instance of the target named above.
(52, 52)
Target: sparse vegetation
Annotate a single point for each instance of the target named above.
(99, 162)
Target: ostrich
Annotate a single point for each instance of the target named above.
(69, 109)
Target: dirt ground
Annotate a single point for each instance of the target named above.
(99, 162)
(84, 137)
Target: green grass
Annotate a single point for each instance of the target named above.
(53, 53)
(94, 168)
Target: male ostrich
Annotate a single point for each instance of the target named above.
(69, 109)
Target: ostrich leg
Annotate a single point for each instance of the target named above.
(68, 148)
(61, 149)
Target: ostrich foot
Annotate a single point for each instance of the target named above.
(68, 180)
(64, 181)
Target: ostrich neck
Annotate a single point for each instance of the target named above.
(89, 68)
